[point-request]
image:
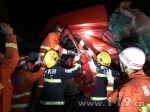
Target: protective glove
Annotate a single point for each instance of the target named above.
(110, 77)
(74, 53)
(64, 51)
(43, 62)
(77, 58)
(70, 52)
(38, 60)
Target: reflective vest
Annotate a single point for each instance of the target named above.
(18, 96)
(102, 79)
(100, 93)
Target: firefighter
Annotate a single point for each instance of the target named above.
(8, 64)
(22, 80)
(52, 40)
(134, 96)
(105, 83)
(52, 98)
(40, 81)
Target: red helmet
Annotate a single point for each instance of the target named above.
(23, 60)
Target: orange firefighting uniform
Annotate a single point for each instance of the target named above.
(22, 81)
(50, 42)
(9, 63)
(40, 84)
(135, 95)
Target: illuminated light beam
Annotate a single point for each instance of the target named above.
(88, 32)
(86, 24)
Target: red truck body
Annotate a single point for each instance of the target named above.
(89, 24)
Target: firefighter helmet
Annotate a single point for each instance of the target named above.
(58, 28)
(103, 58)
(51, 58)
(133, 58)
(23, 61)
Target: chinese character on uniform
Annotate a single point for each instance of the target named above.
(54, 71)
(146, 90)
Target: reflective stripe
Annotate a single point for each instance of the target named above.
(52, 102)
(110, 88)
(40, 86)
(41, 54)
(22, 57)
(11, 45)
(52, 80)
(100, 75)
(74, 68)
(110, 78)
(42, 68)
(145, 108)
(56, 48)
(45, 47)
(98, 98)
(19, 105)
(21, 95)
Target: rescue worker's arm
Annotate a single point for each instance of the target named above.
(69, 73)
(33, 66)
(32, 77)
(11, 56)
(112, 97)
(129, 99)
(110, 85)
(53, 41)
(40, 83)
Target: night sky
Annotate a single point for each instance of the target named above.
(29, 17)
(33, 14)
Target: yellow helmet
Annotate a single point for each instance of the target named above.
(103, 58)
(51, 58)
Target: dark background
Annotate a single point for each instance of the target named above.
(29, 17)
(33, 14)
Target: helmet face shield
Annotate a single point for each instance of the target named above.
(51, 58)
(103, 58)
